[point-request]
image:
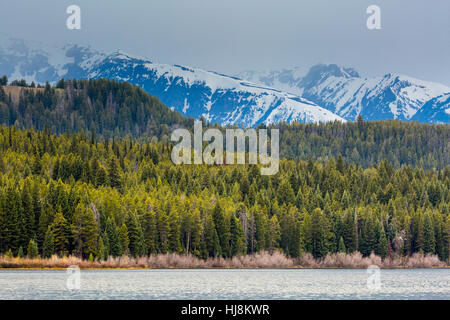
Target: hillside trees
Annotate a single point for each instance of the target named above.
(51, 194)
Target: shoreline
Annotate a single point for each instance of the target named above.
(218, 268)
(262, 260)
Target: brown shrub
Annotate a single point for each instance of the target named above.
(262, 259)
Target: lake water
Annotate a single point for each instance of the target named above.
(226, 284)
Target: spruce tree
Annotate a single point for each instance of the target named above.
(174, 231)
(101, 251)
(60, 231)
(113, 174)
(221, 228)
(20, 253)
(124, 239)
(84, 231)
(136, 236)
(237, 241)
(112, 233)
(341, 247)
(32, 249)
(429, 245)
(274, 234)
(48, 247)
(382, 248)
(150, 231)
(163, 231)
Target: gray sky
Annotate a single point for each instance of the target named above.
(229, 36)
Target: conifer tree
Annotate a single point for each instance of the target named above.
(32, 249)
(136, 236)
(341, 247)
(124, 239)
(48, 247)
(382, 249)
(274, 234)
(112, 234)
(221, 228)
(163, 231)
(113, 173)
(20, 253)
(429, 245)
(60, 232)
(101, 250)
(237, 241)
(12, 223)
(150, 231)
(349, 232)
(285, 194)
(84, 231)
(174, 231)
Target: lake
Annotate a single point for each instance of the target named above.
(226, 284)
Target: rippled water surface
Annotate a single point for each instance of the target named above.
(226, 284)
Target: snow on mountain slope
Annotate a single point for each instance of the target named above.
(35, 61)
(286, 79)
(217, 98)
(191, 91)
(437, 110)
(344, 92)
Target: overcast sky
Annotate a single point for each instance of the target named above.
(229, 36)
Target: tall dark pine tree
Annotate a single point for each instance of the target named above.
(113, 173)
(112, 233)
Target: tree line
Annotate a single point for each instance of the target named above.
(104, 107)
(112, 109)
(92, 197)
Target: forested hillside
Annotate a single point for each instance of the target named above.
(77, 194)
(112, 109)
(106, 107)
(367, 142)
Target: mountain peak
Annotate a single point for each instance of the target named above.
(328, 70)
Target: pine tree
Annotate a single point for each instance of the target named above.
(221, 228)
(124, 239)
(209, 241)
(84, 231)
(136, 236)
(349, 232)
(163, 231)
(28, 215)
(217, 251)
(316, 233)
(369, 239)
(32, 249)
(48, 247)
(285, 194)
(100, 177)
(101, 251)
(237, 241)
(150, 232)
(60, 231)
(382, 249)
(274, 234)
(174, 231)
(20, 253)
(341, 247)
(113, 174)
(12, 222)
(429, 245)
(115, 245)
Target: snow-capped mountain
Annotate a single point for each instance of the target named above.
(437, 110)
(286, 79)
(191, 91)
(344, 92)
